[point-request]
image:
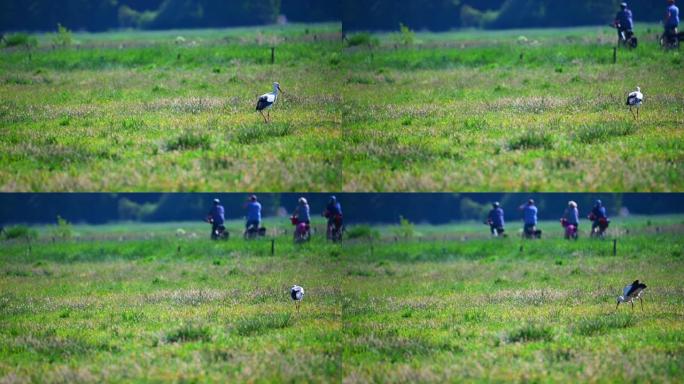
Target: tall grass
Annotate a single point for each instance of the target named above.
(189, 332)
(262, 323)
(590, 326)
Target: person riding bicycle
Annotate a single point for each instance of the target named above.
(216, 217)
(530, 218)
(495, 219)
(333, 212)
(302, 212)
(624, 22)
(301, 215)
(671, 21)
(598, 217)
(253, 213)
(571, 215)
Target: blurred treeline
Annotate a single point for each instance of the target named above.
(100, 15)
(434, 208)
(437, 15)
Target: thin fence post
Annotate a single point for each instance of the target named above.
(614, 247)
(272, 55)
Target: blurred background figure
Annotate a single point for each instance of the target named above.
(216, 218)
(570, 220)
(495, 219)
(530, 230)
(599, 219)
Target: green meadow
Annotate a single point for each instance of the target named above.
(161, 302)
(172, 111)
(536, 110)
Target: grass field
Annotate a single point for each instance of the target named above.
(514, 110)
(172, 111)
(175, 307)
(467, 111)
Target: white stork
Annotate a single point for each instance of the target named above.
(634, 99)
(267, 100)
(631, 293)
(297, 294)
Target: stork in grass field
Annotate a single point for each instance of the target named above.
(631, 293)
(297, 294)
(267, 100)
(634, 99)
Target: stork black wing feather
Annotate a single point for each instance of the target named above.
(634, 287)
(262, 103)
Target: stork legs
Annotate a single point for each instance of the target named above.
(297, 305)
(632, 302)
(636, 117)
(267, 116)
(262, 115)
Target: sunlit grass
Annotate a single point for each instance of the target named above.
(468, 111)
(129, 302)
(139, 111)
(465, 111)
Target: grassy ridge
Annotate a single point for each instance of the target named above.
(180, 308)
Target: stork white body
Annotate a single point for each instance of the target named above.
(634, 100)
(267, 100)
(632, 292)
(297, 294)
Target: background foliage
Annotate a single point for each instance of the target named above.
(447, 14)
(369, 208)
(99, 15)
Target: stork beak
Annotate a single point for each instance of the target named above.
(280, 89)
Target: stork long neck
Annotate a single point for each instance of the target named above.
(275, 90)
